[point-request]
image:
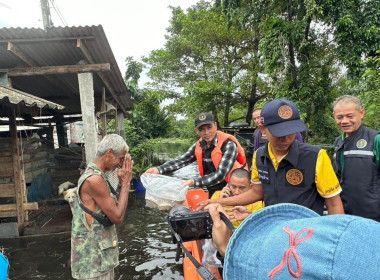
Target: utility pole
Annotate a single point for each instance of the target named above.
(46, 14)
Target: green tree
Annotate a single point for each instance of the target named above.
(216, 65)
(298, 56)
(226, 57)
(371, 94)
(355, 28)
(148, 120)
(132, 77)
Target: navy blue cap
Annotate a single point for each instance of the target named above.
(203, 118)
(282, 118)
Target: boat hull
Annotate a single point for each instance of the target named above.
(194, 196)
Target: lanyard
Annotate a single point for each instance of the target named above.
(342, 159)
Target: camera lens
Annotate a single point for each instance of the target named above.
(178, 209)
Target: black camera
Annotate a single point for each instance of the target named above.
(190, 225)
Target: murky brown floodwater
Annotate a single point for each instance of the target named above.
(146, 249)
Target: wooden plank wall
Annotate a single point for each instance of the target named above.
(65, 165)
(8, 207)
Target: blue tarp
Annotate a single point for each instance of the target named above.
(40, 188)
(4, 267)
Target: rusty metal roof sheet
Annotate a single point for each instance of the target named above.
(14, 96)
(59, 46)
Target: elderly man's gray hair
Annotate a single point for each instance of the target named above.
(348, 99)
(114, 142)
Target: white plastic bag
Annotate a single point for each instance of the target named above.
(163, 192)
(209, 254)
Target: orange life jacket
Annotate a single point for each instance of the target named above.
(217, 154)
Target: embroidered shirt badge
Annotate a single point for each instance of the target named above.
(294, 177)
(361, 143)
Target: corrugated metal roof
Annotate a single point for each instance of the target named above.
(14, 96)
(59, 46)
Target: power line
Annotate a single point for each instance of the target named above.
(5, 6)
(55, 7)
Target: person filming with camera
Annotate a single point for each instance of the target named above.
(289, 241)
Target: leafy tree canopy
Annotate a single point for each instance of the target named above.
(214, 64)
(226, 56)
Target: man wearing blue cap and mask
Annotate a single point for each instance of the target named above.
(287, 171)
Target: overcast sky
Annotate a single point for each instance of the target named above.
(133, 27)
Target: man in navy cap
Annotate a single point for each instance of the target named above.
(287, 171)
(217, 154)
(261, 139)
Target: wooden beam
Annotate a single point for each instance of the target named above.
(39, 40)
(6, 170)
(103, 109)
(5, 158)
(116, 120)
(16, 173)
(114, 95)
(7, 190)
(31, 62)
(85, 51)
(56, 70)
(90, 59)
(54, 97)
(12, 207)
(8, 214)
(21, 55)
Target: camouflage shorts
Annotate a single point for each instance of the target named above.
(107, 276)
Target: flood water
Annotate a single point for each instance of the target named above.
(146, 248)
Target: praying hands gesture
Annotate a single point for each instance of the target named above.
(124, 173)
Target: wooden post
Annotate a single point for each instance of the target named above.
(103, 110)
(86, 92)
(116, 121)
(61, 134)
(50, 136)
(16, 171)
(120, 124)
